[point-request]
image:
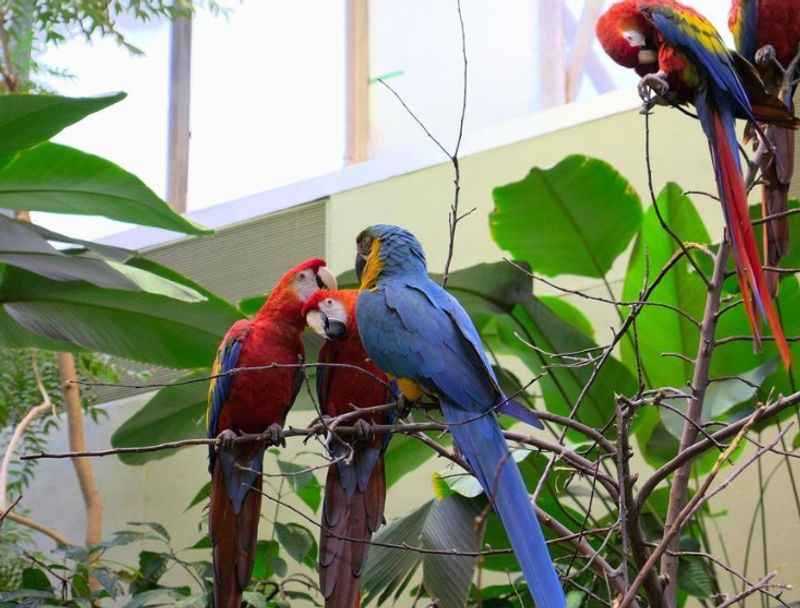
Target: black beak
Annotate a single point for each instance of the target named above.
(361, 262)
(334, 330)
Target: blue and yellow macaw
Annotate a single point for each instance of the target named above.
(420, 335)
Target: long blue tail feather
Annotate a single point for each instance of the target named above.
(482, 444)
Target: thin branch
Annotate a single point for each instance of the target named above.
(6, 512)
(760, 586)
(700, 382)
(59, 538)
(654, 199)
(698, 500)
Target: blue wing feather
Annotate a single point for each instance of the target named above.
(414, 329)
(219, 389)
(717, 62)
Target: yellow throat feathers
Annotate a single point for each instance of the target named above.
(373, 267)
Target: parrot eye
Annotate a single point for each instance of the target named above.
(365, 245)
(329, 302)
(302, 276)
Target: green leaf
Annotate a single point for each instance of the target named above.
(201, 495)
(26, 120)
(299, 542)
(660, 329)
(152, 566)
(174, 412)
(35, 578)
(59, 179)
(303, 482)
(450, 525)
(387, 568)
(533, 323)
(250, 306)
(23, 245)
(589, 210)
(569, 314)
(13, 335)
(144, 327)
(721, 397)
(154, 526)
(155, 597)
(267, 562)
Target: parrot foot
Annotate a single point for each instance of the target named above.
(274, 435)
(653, 83)
(363, 430)
(226, 439)
(766, 55)
(404, 405)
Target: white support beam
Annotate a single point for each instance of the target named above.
(582, 41)
(357, 81)
(180, 81)
(552, 48)
(597, 72)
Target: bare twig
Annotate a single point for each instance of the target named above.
(10, 508)
(698, 500)
(59, 538)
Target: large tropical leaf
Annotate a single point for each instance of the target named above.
(26, 120)
(533, 324)
(145, 327)
(59, 179)
(446, 525)
(660, 329)
(574, 218)
(176, 412)
(27, 246)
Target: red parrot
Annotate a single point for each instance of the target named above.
(682, 58)
(252, 402)
(767, 33)
(355, 490)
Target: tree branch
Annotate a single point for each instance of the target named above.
(700, 381)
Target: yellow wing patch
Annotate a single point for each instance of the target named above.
(213, 384)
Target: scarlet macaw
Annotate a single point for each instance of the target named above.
(355, 489)
(420, 335)
(679, 53)
(767, 31)
(252, 402)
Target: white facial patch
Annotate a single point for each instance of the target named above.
(334, 310)
(634, 38)
(305, 284)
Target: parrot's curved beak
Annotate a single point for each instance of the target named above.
(361, 263)
(325, 279)
(326, 327)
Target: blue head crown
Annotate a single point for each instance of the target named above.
(385, 250)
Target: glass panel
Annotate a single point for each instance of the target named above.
(417, 44)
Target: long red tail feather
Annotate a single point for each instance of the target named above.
(341, 561)
(233, 538)
(753, 284)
